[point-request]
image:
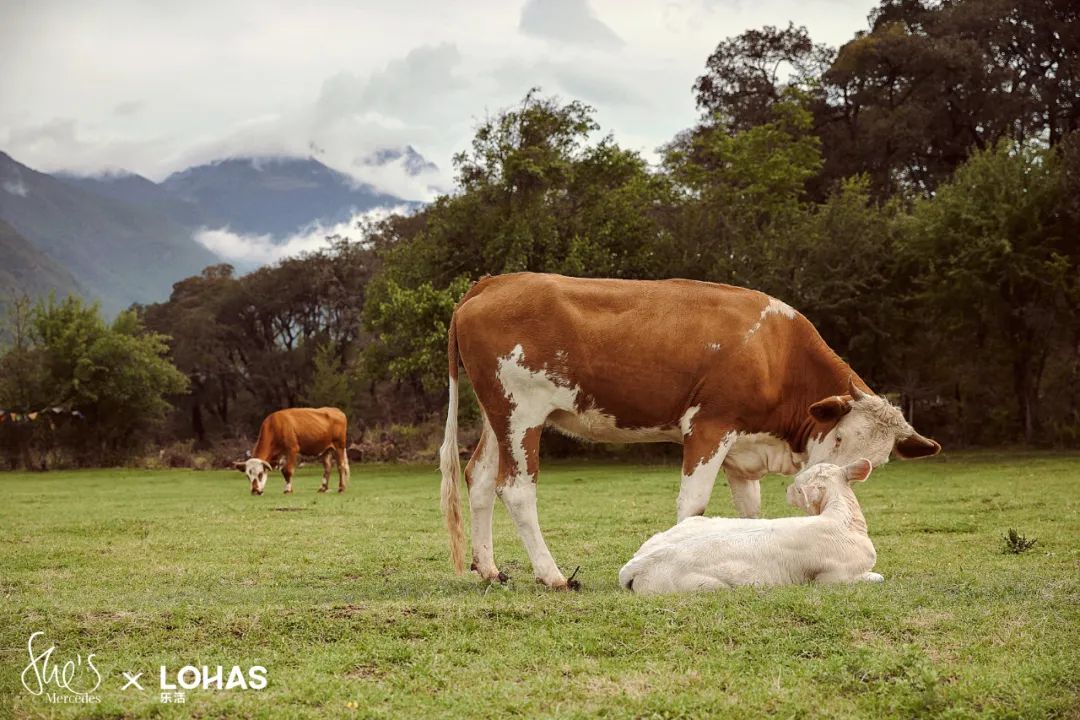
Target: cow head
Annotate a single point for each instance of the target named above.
(861, 425)
(257, 471)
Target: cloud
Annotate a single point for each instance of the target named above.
(130, 107)
(15, 187)
(208, 79)
(567, 21)
(255, 250)
(411, 84)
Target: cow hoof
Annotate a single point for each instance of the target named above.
(570, 585)
(289, 491)
(341, 490)
(322, 489)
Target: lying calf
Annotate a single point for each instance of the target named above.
(708, 553)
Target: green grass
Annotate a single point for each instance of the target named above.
(350, 599)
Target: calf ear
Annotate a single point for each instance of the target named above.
(917, 446)
(858, 470)
(238, 465)
(801, 491)
(830, 409)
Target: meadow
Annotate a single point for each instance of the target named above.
(350, 603)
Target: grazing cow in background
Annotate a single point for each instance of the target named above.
(744, 382)
(703, 553)
(287, 434)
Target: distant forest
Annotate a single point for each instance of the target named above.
(915, 193)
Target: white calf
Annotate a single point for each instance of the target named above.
(703, 553)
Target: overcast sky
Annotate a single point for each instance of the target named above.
(154, 86)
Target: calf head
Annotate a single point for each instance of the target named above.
(862, 425)
(257, 471)
(816, 484)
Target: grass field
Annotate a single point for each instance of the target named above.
(350, 603)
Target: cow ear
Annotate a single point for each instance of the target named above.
(917, 446)
(830, 409)
(858, 471)
(238, 465)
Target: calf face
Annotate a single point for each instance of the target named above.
(814, 485)
(257, 472)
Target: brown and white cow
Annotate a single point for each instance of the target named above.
(740, 379)
(287, 434)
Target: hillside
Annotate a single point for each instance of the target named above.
(118, 253)
(25, 270)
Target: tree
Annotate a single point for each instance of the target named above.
(998, 267)
(738, 192)
(748, 74)
(115, 376)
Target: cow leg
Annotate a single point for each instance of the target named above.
(517, 490)
(480, 476)
(325, 471)
(704, 449)
(342, 456)
(288, 469)
(745, 493)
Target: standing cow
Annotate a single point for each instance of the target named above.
(740, 379)
(287, 434)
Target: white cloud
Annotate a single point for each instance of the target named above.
(255, 250)
(154, 87)
(566, 21)
(15, 187)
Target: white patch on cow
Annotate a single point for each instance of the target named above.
(533, 396)
(753, 455)
(686, 420)
(697, 486)
(774, 307)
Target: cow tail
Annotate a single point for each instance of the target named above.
(450, 462)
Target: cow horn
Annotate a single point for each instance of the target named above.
(853, 389)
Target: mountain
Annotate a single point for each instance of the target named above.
(274, 196)
(121, 238)
(411, 161)
(117, 252)
(137, 191)
(28, 271)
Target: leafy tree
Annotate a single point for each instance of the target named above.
(249, 345)
(738, 192)
(748, 74)
(116, 376)
(998, 268)
(412, 326)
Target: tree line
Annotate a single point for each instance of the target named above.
(915, 193)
